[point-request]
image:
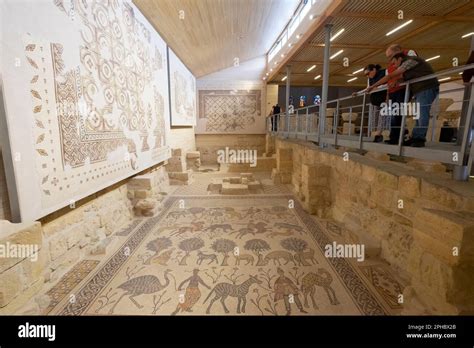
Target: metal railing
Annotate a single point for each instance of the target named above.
(356, 132)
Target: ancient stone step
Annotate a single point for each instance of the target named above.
(234, 189)
(193, 154)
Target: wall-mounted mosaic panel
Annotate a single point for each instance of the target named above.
(182, 92)
(229, 111)
(85, 87)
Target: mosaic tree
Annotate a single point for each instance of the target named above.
(257, 246)
(224, 246)
(156, 246)
(296, 245)
(189, 245)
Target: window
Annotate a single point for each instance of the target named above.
(305, 10)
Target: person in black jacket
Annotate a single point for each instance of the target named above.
(276, 110)
(374, 73)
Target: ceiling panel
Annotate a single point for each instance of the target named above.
(208, 35)
(436, 29)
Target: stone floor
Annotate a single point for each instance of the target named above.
(206, 253)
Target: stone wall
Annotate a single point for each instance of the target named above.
(71, 234)
(209, 144)
(183, 138)
(418, 220)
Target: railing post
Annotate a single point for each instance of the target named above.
(369, 125)
(336, 122)
(306, 127)
(297, 123)
(350, 120)
(435, 116)
(324, 97)
(402, 125)
(461, 172)
(361, 135)
(287, 101)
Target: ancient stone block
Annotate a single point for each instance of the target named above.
(234, 189)
(57, 246)
(348, 128)
(141, 194)
(285, 154)
(27, 235)
(10, 285)
(180, 176)
(350, 116)
(141, 182)
(254, 186)
(247, 175)
(410, 186)
(235, 180)
(177, 152)
(440, 194)
(176, 167)
(387, 179)
(101, 247)
(193, 154)
(446, 226)
(74, 234)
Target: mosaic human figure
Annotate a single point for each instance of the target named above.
(192, 293)
(286, 289)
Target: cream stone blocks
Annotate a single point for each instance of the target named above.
(176, 167)
(147, 191)
(72, 234)
(421, 222)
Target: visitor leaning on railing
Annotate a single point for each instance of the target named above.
(424, 92)
(374, 73)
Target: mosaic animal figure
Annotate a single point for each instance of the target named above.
(304, 256)
(251, 212)
(277, 255)
(289, 227)
(322, 279)
(215, 213)
(147, 284)
(195, 211)
(244, 257)
(252, 228)
(163, 258)
(176, 214)
(214, 227)
(201, 257)
(224, 290)
(231, 213)
(194, 227)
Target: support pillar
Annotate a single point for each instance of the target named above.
(287, 102)
(324, 97)
(463, 171)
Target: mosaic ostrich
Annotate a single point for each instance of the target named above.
(147, 284)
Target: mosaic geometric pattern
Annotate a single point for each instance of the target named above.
(236, 255)
(228, 111)
(99, 100)
(69, 281)
(385, 284)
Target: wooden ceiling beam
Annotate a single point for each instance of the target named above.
(385, 16)
(461, 9)
(311, 62)
(381, 47)
(400, 39)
